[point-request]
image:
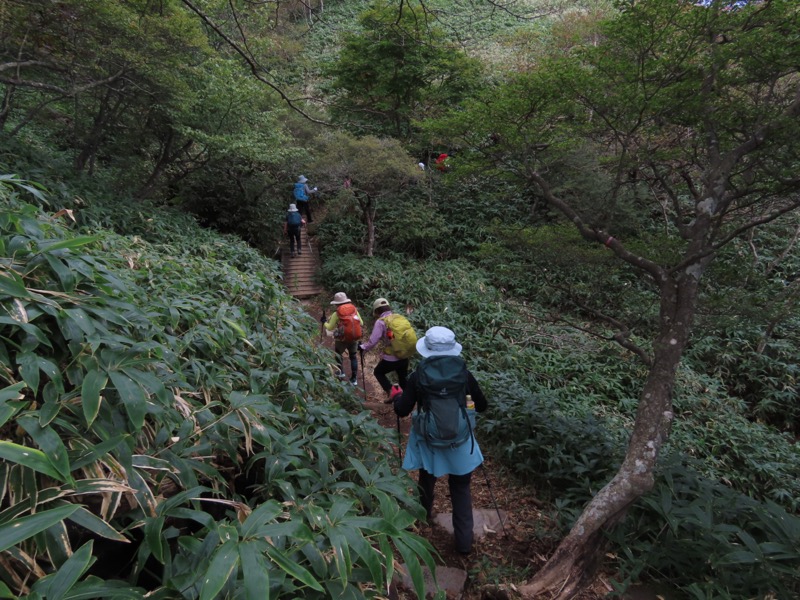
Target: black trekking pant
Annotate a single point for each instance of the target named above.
(304, 206)
(294, 235)
(461, 499)
(387, 366)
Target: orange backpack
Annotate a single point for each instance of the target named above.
(349, 329)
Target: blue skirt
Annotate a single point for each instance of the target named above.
(442, 461)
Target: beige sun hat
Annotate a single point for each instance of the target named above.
(379, 303)
(340, 298)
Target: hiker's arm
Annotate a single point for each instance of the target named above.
(404, 404)
(377, 333)
(332, 322)
(477, 394)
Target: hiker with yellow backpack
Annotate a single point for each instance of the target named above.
(344, 325)
(397, 340)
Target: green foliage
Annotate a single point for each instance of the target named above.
(165, 418)
(710, 541)
(565, 449)
(411, 225)
(750, 457)
(163, 415)
(398, 68)
(376, 166)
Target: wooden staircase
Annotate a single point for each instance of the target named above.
(300, 273)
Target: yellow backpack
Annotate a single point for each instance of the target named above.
(402, 337)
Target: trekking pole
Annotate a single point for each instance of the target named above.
(322, 325)
(491, 495)
(399, 440)
(363, 372)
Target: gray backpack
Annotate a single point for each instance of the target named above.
(442, 419)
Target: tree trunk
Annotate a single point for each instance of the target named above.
(368, 211)
(572, 564)
(5, 109)
(165, 159)
(369, 214)
(91, 145)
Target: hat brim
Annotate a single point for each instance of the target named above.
(341, 301)
(426, 352)
(293, 210)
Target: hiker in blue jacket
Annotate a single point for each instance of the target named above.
(457, 462)
(302, 197)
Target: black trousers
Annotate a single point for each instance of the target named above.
(304, 206)
(387, 366)
(461, 499)
(294, 234)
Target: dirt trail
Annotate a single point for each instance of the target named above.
(507, 556)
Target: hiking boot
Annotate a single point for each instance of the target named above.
(293, 254)
(354, 381)
(341, 376)
(299, 253)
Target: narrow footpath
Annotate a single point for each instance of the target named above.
(513, 536)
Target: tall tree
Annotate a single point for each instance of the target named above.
(694, 112)
(399, 68)
(367, 170)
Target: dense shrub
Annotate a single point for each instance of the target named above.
(709, 540)
(167, 427)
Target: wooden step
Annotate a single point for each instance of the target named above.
(300, 272)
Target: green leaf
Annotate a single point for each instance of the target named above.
(341, 553)
(255, 571)
(29, 369)
(152, 535)
(132, 396)
(49, 442)
(65, 275)
(301, 574)
(12, 392)
(69, 243)
(94, 382)
(96, 525)
(12, 285)
(82, 320)
(263, 514)
(5, 592)
(369, 555)
(413, 566)
(67, 576)
(225, 560)
(92, 588)
(98, 451)
(21, 529)
(142, 492)
(56, 538)
(29, 457)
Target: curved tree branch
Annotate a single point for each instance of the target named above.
(255, 68)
